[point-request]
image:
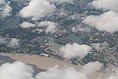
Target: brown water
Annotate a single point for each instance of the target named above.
(45, 62)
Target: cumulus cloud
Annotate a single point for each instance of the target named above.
(100, 46)
(2, 2)
(17, 70)
(74, 50)
(37, 9)
(51, 26)
(66, 73)
(92, 67)
(113, 70)
(46, 23)
(13, 43)
(27, 24)
(86, 72)
(106, 4)
(51, 29)
(113, 77)
(5, 9)
(3, 40)
(61, 1)
(104, 22)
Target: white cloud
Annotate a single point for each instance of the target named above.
(92, 67)
(66, 73)
(113, 72)
(51, 29)
(2, 2)
(86, 72)
(51, 26)
(104, 22)
(13, 43)
(113, 77)
(27, 24)
(106, 4)
(37, 9)
(74, 50)
(46, 23)
(5, 9)
(3, 40)
(100, 46)
(17, 70)
(61, 1)
(79, 28)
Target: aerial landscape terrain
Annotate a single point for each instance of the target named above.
(58, 39)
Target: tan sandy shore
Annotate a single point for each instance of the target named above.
(43, 62)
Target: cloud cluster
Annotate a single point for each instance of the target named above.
(86, 72)
(92, 67)
(113, 77)
(113, 72)
(13, 43)
(66, 73)
(17, 70)
(100, 46)
(51, 26)
(106, 4)
(3, 40)
(27, 24)
(37, 9)
(61, 1)
(74, 50)
(104, 22)
(5, 9)
(2, 2)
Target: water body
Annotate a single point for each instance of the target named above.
(42, 62)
